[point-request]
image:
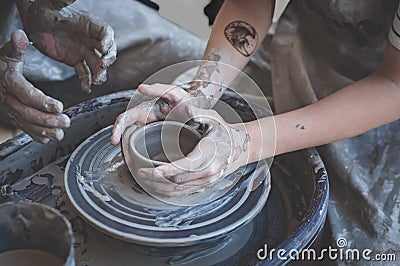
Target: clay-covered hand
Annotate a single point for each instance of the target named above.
(223, 149)
(167, 98)
(38, 115)
(73, 37)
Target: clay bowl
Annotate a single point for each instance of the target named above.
(35, 234)
(160, 143)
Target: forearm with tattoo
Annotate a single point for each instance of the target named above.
(212, 78)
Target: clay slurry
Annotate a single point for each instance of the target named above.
(29, 257)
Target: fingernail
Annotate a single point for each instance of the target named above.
(59, 135)
(86, 89)
(113, 142)
(66, 122)
(101, 77)
(143, 87)
(54, 105)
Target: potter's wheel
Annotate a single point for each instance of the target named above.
(101, 189)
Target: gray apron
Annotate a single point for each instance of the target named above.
(319, 47)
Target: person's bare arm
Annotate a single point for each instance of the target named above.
(238, 31)
(364, 105)
(357, 108)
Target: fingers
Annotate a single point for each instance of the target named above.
(123, 121)
(106, 37)
(206, 176)
(42, 134)
(15, 82)
(203, 181)
(20, 42)
(168, 92)
(30, 115)
(178, 185)
(40, 126)
(84, 74)
(16, 47)
(98, 71)
(38, 133)
(110, 56)
(119, 127)
(196, 163)
(102, 38)
(94, 68)
(143, 114)
(26, 93)
(100, 50)
(204, 116)
(173, 190)
(139, 115)
(171, 169)
(164, 187)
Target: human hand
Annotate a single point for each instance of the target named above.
(167, 98)
(37, 114)
(223, 149)
(73, 37)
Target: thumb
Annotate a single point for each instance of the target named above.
(171, 93)
(20, 42)
(203, 116)
(17, 46)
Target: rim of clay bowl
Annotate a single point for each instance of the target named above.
(140, 131)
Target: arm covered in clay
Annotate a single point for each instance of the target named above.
(364, 105)
(239, 29)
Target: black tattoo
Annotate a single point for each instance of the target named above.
(242, 36)
(300, 126)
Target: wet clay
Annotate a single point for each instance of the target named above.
(29, 257)
(292, 216)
